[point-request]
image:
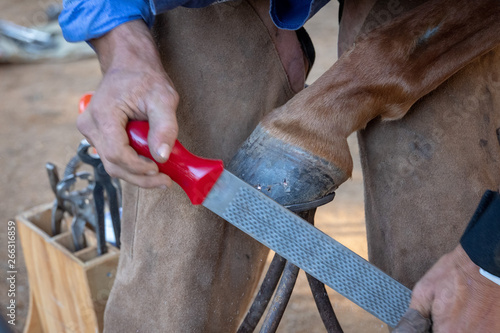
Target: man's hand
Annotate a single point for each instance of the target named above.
(134, 86)
(457, 297)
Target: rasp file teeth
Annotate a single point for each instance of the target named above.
(310, 249)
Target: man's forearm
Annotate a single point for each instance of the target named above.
(123, 46)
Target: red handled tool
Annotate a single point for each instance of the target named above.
(194, 174)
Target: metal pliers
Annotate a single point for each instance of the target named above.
(60, 206)
(77, 203)
(103, 182)
(81, 206)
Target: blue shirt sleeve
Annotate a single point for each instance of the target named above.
(82, 20)
(293, 14)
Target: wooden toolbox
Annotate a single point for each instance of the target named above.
(68, 289)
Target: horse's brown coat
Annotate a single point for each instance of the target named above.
(425, 174)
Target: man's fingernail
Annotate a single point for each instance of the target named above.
(151, 172)
(163, 151)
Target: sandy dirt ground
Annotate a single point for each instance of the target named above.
(39, 108)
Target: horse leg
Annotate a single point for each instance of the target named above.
(419, 191)
(425, 174)
(182, 269)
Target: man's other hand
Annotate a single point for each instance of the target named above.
(456, 297)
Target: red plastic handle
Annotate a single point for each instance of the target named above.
(195, 175)
(84, 101)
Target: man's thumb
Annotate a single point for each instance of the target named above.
(163, 132)
(413, 322)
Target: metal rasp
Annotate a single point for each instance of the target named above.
(206, 182)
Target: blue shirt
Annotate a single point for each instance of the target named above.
(83, 20)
